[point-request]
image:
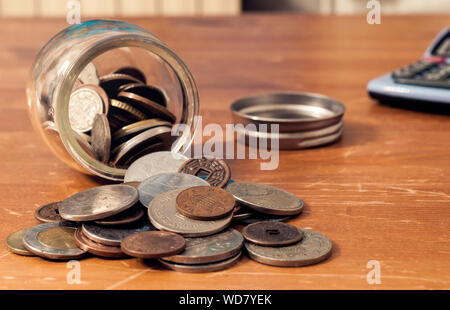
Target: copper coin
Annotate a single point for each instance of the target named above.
(149, 92)
(205, 203)
(150, 107)
(49, 213)
(128, 216)
(216, 171)
(153, 244)
(272, 233)
(132, 71)
(111, 83)
(96, 248)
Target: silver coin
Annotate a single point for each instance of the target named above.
(265, 199)
(154, 163)
(158, 134)
(108, 235)
(211, 267)
(209, 249)
(84, 104)
(101, 137)
(98, 202)
(163, 214)
(164, 182)
(312, 249)
(53, 240)
(89, 75)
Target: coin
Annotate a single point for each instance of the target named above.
(101, 137)
(216, 171)
(152, 108)
(163, 214)
(211, 267)
(241, 213)
(14, 242)
(131, 215)
(109, 235)
(98, 202)
(205, 203)
(152, 136)
(48, 213)
(89, 74)
(148, 92)
(272, 233)
(125, 132)
(132, 157)
(85, 102)
(134, 184)
(154, 163)
(96, 248)
(111, 83)
(164, 182)
(128, 110)
(266, 199)
(153, 244)
(53, 241)
(214, 248)
(134, 72)
(312, 249)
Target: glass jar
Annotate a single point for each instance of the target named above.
(106, 44)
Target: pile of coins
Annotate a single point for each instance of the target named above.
(190, 206)
(118, 117)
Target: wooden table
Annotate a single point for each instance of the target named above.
(381, 193)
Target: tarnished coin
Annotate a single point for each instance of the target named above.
(14, 242)
(149, 137)
(205, 203)
(89, 74)
(164, 182)
(210, 249)
(149, 92)
(96, 248)
(131, 215)
(127, 110)
(132, 71)
(198, 268)
(53, 241)
(312, 249)
(149, 107)
(48, 213)
(98, 202)
(266, 199)
(216, 171)
(241, 213)
(154, 163)
(109, 235)
(272, 233)
(133, 129)
(153, 244)
(163, 214)
(85, 102)
(101, 137)
(112, 82)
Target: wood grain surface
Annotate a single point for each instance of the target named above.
(381, 193)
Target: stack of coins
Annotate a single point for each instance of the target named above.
(190, 206)
(118, 117)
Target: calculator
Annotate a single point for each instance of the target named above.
(425, 81)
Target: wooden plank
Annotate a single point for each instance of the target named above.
(17, 8)
(179, 7)
(221, 7)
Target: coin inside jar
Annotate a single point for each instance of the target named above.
(312, 249)
(272, 233)
(132, 71)
(205, 203)
(153, 244)
(101, 137)
(53, 241)
(98, 202)
(265, 199)
(14, 242)
(85, 102)
(96, 248)
(48, 213)
(216, 171)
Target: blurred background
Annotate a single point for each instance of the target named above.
(111, 8)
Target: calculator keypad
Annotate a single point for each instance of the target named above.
(424, 73)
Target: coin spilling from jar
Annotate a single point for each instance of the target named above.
(171, 212)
